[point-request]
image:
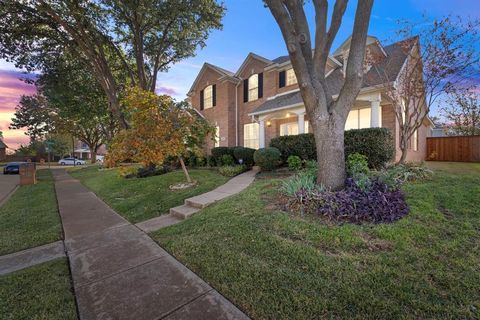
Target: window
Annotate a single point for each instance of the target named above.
(291, 77)
(358, 119)
(217, 136)
(208, 97)
(415, 140)
(251, 135)
(253, 87)
(404, 111)
(291, 128)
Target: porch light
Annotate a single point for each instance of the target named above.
(269, 123)
(288, 115)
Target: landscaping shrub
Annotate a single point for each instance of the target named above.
(152, 171)
(219, 152)
(294, 163)
(357, 169)
(227, 160)
(267, 158)
(245, 154)
(232, 170)
(374, 143)
(301, 145)
(201, 162)
(210, 161)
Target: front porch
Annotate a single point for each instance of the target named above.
(292, 119)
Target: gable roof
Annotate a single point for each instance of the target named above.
(3, 145)
(206, 65)
(397, 54)
(251, 55)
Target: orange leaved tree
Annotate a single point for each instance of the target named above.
(160, 128)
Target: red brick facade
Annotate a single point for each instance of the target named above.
(231, 113)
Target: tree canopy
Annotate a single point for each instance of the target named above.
(137, 37)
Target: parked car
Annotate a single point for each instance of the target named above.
(70, 162)
(12, 168)
(100, 158)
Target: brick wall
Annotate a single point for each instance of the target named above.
(223, 113)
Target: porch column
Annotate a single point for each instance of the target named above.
(261, 133)
(301, 122)
(375, 115)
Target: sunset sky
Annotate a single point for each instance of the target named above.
(248, 26)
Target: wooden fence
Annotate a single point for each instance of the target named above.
(461, 149)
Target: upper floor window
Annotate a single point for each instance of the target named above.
(253, 87)
(291, 77)
(208, 97)
(287, 78)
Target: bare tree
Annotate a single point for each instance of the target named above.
(462, 112)
(327, 116)
(440, 59)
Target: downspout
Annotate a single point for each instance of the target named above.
(236, 112)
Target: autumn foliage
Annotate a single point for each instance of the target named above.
(159, 128)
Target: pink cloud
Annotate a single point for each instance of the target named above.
(167, 90)
(11, 89)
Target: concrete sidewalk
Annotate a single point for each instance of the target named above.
(121, 273)
(8, 183)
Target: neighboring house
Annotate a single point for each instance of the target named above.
(3, 151)
(261, 100)
(82, 151)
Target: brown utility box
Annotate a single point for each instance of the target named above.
(28, 173)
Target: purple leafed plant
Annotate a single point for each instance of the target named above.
(376, 204)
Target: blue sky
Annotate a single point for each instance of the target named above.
(248, 27)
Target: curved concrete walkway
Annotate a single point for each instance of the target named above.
(195, 204)
(119, 272)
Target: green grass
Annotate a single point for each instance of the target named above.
(40, 292)
(140, 199)
(277, 266)
(30, 217)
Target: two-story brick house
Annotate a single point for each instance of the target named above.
(262, 99)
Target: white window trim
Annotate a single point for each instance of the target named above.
(251, 142)
(217, 136)
(208, 99)
(252, 91)
(292, 78)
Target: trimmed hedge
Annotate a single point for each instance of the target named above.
(267, 158)
(301, 145)
(374, 143)
(246, 154)
(219, 152)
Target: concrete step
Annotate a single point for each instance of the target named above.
(183, 211)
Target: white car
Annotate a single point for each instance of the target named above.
(100, 158)
(71, 162)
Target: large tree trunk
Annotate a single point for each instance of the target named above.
(329, 141)
(93, 154)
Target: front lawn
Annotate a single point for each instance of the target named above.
(277, 266)
(140, 199)
(40, 292)
(30, 217)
